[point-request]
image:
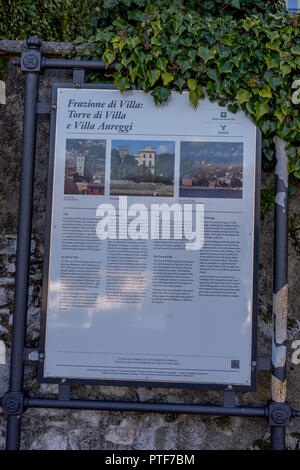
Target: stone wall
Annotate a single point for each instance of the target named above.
(60, 429)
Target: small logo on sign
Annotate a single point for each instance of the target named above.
(223, 114)
(223, 129)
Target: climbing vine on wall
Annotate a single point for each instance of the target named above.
(244, 53)
(249, 63)
(64, 20)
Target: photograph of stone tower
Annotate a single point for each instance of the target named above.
(85, 166)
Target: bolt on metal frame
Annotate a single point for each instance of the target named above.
(15, 401)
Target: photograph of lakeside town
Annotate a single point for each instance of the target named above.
(142, 168)
(85, 166)
(211, 169)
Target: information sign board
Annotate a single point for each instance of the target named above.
(151, 263)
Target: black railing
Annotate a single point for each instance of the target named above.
(15, 401)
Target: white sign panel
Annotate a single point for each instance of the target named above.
(151, 247)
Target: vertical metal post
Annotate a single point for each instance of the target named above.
(30, 63)
(280, 296)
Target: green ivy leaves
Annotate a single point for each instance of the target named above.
(122, 83)
(243, 96)
(260, 109)
(153, 76)
(167, 78)
(249, 63)
(265, 92)
(160, 94)
(206, 54)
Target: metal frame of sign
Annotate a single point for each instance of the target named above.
(129, 382)
(16, 401)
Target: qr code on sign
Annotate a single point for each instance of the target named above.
(235, 364)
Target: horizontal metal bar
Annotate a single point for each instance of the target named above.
(77, 64)
(146, 407)
(264, 363)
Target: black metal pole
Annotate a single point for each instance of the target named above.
(80, 64)
(147, 407)
(73, 64)
(23, 242)
(280, 293)
(278, 437)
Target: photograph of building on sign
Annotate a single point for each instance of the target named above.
(211, 169)
(142, 168)
(85, 166)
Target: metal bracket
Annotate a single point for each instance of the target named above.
(31, 59)
(13, 403)
(43, 108)
(78, 77)
(229, 399)
(263, 363)
(64, 392)
(31, 354)
(279, 414)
